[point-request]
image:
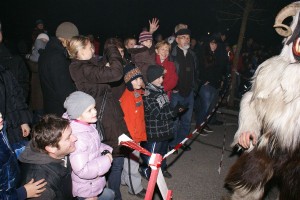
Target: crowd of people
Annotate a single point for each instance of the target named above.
(64, 106)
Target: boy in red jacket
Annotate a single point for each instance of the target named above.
(133, 108)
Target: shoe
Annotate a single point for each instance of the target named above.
(141, 194)
(203, 133)
(186, 148)
(167, 174)
(207, 129)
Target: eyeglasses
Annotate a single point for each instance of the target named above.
(184, 37)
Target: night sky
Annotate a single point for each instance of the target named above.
(124, 18)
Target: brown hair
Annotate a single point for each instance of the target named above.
(77, 43)
(48, 132)
(114, 41)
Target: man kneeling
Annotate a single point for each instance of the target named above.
(46, 157)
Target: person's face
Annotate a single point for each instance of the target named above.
(121, 50)
(89, 115)
(137, 83)
(213, 46)
(130, 44)
(66, 145)
(193, 42)
(147, 43)
(158, 82)
(163, 52)
(86, 52)
(1, 122)
(40, 26)
(183, 41)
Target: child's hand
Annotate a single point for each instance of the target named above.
(110, 157)
(153, 25)
(34, 189)
(25, 130)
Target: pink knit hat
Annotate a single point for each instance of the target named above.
(145, 35)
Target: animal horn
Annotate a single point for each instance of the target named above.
(289, 10)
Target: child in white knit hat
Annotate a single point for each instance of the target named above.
(92, 159)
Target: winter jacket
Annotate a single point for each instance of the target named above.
(9, 171)
(93, 78)
(88, 166)
(170, 78)
(133, 108)
(12, 105)
(16, 65)
(56, 172)
(158, 114)
(55, 77)
(36, 95)
(173, 58)
(142, 57)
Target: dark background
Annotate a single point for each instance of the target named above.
(124, 18)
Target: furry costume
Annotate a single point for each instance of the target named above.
(271, 109)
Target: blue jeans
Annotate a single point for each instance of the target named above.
(114, 176)
(205, 102)
(107, 194)
(182, 124)
(154, 147)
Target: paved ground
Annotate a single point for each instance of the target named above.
(195, 172)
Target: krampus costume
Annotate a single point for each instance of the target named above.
(271, 109)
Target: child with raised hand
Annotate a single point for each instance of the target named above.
(158, 117)
(162, 50)
(133, 108)
(92, 159)
(143, 55)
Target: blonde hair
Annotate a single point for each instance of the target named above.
(162, 43)
(77, 43)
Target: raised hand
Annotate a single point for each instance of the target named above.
(153, 25)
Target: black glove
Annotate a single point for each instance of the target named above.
(179, 108)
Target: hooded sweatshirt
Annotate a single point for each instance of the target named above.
(56, 172)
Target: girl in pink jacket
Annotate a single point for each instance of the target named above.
(92, 159)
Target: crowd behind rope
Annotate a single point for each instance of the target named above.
(63, 106)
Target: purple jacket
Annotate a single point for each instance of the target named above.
(88, 166)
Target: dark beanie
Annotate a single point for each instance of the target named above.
(184, 31)
(131, 73)
(77, 102)
(154, 72)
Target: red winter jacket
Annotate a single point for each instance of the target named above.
(171, 78)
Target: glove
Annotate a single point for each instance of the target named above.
(179, 108)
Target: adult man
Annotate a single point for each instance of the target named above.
(55, 78)
(186, 66)
(46, 157)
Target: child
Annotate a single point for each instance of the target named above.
(10, 172)
(143, 55)
(158, 116)
(133, 108)
(162, 50)
(92, 159)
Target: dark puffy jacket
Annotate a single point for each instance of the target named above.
(93, 78)
(12, 105)
(55, 77)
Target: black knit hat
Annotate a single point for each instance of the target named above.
(154, 72)
(131, 73)
(184, 31)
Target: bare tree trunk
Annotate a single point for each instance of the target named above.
(248, 8)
